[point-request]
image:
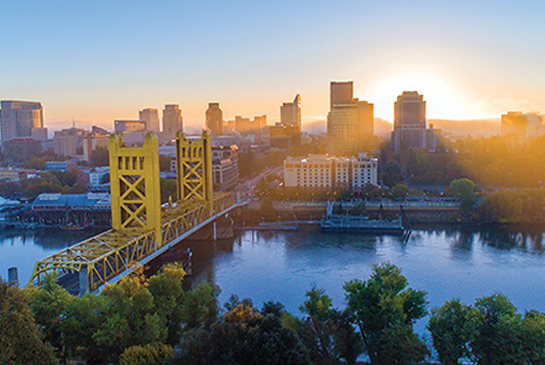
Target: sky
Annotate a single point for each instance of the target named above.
(96, 61)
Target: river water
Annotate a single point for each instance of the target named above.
(445, 261)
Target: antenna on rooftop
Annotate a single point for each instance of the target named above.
(73, 122)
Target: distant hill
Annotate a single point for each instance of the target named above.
(486, 127)
(474, 128)
(315, 126)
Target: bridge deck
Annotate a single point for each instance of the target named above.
(111, 254)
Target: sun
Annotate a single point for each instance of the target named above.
(443, 99)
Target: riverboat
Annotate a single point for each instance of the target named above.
(355, 223)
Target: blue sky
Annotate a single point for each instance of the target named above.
(102, 60)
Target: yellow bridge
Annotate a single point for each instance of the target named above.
(141, 228)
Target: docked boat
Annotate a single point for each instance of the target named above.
(356, 223)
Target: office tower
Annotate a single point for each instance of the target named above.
(409, 121)
(68, 142)
(151, 117)
(350, 122)
(341, 92)
(133, 131)
(97, 138)
(214, 119)
(39, 134)
(290, 113)
(129, 125)
(18, 118)
(172, 120)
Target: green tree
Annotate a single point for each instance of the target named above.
(82, 319)
(451, 327)
(48, 305)
(534, 337)
(385, 310)
(150, 354)
(20, 337)
(168, 299)
(498, 336)
(401, 190)
(317, 332)
(464, 189)
(243, 336)
(128, 318)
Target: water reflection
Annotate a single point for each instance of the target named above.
(447, 261)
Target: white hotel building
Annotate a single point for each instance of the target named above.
(323, 171)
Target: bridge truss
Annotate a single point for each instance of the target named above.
(105, 256)
(141, 229)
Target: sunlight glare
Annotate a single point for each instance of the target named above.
(442, 100)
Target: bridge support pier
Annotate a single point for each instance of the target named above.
(83, 280)
(215, 232)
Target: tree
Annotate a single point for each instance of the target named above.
(20, 338)
(385, 310)
(168, 298)
(150, 354)
(401, 190)
(317, 330)
(48, 304)
(128, 318)
(243, 336)
(534, 337)
(83, 317)
(498, 332)
(464, 190)
(451, 327)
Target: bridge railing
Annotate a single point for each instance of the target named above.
(102, 257)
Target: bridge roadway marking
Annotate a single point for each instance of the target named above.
(168, 246)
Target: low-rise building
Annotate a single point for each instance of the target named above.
(60, 165)
(314, 171)
(364, 172)
(97, 174)
(225, 172)
(97, 138)
(10, 175)
(62, 202)
(324, 171)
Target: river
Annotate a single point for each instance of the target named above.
(445, 261)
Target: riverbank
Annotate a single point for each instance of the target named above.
(415, 211)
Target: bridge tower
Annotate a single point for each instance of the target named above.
(135, 186)
(194, 167)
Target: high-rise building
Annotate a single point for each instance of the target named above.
(341, 92)
(98, 137)
(151, 117)
(350, 122)
(214, 119)
(18, 118)
(134, 131)
(172, 120)
(290, 113)
(409, 121)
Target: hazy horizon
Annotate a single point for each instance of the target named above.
(101, 61)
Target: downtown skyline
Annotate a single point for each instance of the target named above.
(104, 61)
